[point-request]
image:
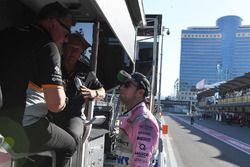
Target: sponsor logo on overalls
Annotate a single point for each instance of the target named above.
(122, 160)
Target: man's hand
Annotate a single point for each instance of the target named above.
(88, 93)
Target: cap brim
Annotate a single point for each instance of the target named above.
(86, 44)
(123, 76)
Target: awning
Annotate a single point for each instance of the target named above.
(236, 83)
(122, 16)
(231, 85)
(119, 19)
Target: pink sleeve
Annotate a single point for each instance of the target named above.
(144, 139)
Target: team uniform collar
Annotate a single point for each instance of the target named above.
(131, 111)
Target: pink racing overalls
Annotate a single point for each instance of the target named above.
(137, 142)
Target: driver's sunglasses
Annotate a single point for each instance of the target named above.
(128, 84)
(63, 25)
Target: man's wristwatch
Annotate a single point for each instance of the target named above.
(96, 92)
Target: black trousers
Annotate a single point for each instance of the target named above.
(72, 123)
(70, 120)
(44, 135)
(40, 136)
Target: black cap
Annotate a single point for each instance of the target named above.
(54, 10)
(137, 77)
(79, 40)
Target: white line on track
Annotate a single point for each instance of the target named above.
(171, 157)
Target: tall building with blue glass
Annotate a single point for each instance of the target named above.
(214, 53)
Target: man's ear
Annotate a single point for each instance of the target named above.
(140, 92)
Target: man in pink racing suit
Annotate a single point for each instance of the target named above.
(137, 141)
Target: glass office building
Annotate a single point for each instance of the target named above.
(214, 53)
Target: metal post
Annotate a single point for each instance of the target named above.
(153, 65)
(95, 49)
(90, 104)
(160, 72)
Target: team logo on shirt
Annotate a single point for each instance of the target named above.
(57, 70)
(142, 146)
(141, 154)
(144, 138)
(146, 127)
(57, 75)
(140, 160)
(122, 142)
(144, 133)
(122, 159)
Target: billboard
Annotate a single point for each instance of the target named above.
(176, 106)
(149, 29)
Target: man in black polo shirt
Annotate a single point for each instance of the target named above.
(31, 83)
(71, 118)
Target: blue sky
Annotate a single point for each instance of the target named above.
(180, 14)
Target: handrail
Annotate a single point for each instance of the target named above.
(86, 133)
(89, 118)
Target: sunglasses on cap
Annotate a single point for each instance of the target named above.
(128, 84)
